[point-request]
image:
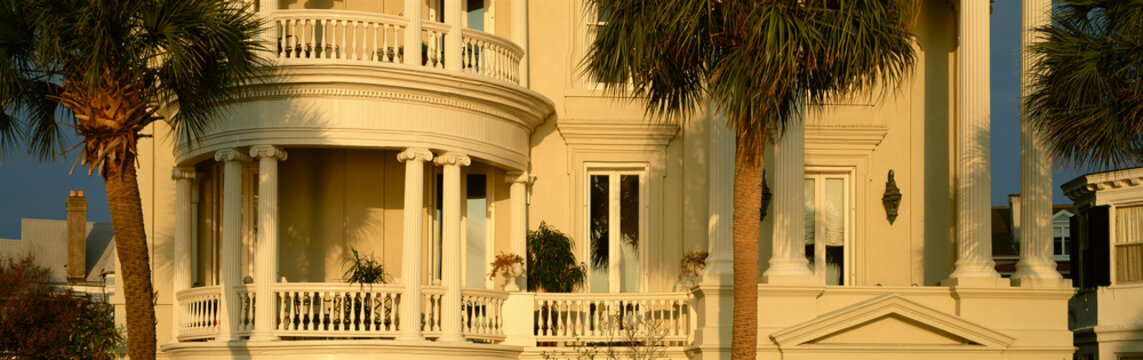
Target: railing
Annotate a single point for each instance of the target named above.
(198, 313)
(433, 34)
(627, 317)
(482, 314)
(348, 36)
(355, 37)
(491, 56)
(431, 309)
(337, 310)
(246, 295)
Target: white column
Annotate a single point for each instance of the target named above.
(974, 265)
(720, 235)
(181, 280)
(1036, 266)
(266, 254)
(453, 43)
(413, 33)
(265, 10)
(520, 35)
(410, 316)
(788, 263)
(450, 270)
(518, 233)
(231, 247)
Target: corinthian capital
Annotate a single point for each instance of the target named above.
(453, 158)
(415, 154)
(267, 151)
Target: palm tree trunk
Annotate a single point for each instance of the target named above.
(747, 209)
(131, 246)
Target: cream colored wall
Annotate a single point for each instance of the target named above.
(332, 201)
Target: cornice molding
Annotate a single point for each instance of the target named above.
(833, 138)
(600, 132)
(1088, 184)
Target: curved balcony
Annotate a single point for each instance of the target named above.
(353, 79)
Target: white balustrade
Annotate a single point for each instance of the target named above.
(482, 314)
(433, 35)
(586, 317)
(306, 37)
(491, 56)
(337, 310)
(347, 36)
(198, 313)
(431, 310)
(246, 296)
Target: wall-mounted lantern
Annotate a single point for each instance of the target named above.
(891, 199)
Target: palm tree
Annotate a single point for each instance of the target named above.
(104, 69)
(1087, 102)
(757, 62)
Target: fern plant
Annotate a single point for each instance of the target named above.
(365, 270)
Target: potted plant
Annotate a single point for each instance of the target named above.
(508, 266)
(551, 262)
(366, 270)
(690, 267)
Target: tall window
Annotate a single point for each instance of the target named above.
(1129, 244)
(1060, 238)
(614, 226)
(827, 219)
(476, 231)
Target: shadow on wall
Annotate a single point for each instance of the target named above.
(939, 249)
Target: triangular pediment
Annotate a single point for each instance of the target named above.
(889, 320)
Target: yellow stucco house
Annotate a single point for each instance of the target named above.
(436, 161)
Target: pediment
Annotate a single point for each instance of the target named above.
(890, 320)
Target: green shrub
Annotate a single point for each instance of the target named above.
(551, 263)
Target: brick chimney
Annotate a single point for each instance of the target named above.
(76, 236)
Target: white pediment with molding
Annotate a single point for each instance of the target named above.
(890, 321)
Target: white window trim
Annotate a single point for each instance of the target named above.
(849, 173)
(614, 252)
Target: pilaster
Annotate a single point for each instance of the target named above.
(518, 234)
(788, 263)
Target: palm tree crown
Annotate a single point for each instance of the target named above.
(1087, 102)
(108, 69)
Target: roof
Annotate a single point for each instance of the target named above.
(47, 241)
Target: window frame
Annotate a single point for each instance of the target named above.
(614, 267)
(819, 174)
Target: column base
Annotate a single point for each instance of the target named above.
(789, 273)
(451, 339)
(978, 282)
(1042, 275)
(263, 338)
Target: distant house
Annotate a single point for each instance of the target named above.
(1006, 243)
(1107, 255)
(77, 253)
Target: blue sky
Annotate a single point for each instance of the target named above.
(29, 189)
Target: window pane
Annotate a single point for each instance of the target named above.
(476, 14)
(810, 216)
(835, 231)
(629, 227)
(1129, 243)
(598, 215)
(476, 231)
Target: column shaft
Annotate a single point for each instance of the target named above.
(1036, 266)
(231, 247)
(266, 254)
(410, 310)
(520, 35)
(181, 279)
(973, 189)
(788, 260)
(453, 42)
(720, 235)
(413, 32)
(518, 235)
(451, 258)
